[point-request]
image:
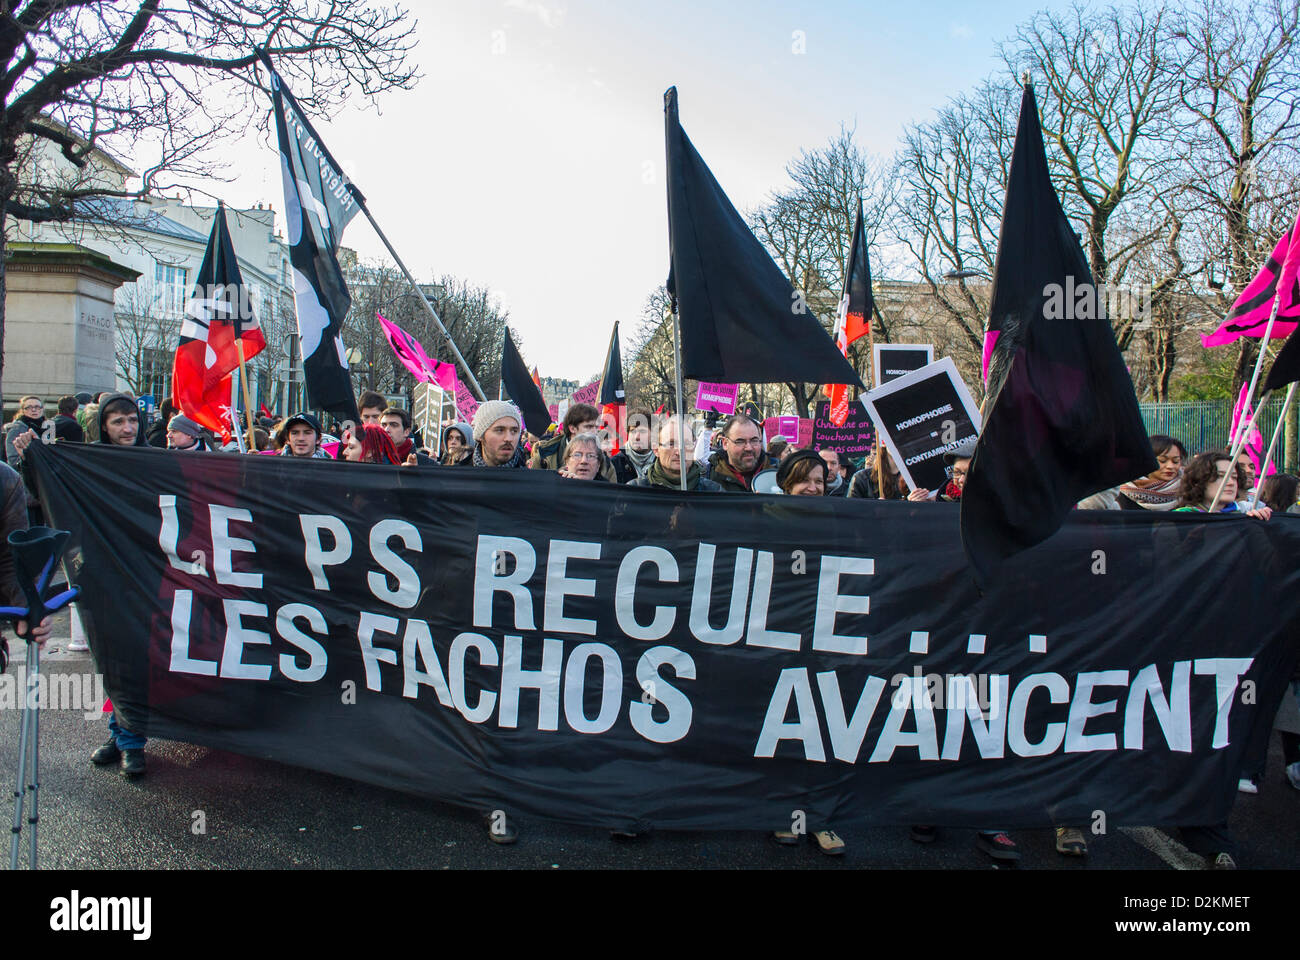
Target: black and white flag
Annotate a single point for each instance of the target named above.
(319, 202)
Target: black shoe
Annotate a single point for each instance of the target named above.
(133, 763)
(999, 846)
(106, 754)
(500, 829)
(925, 834)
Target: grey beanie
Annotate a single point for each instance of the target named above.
(185, 425)
(465, 429)
(490, 411)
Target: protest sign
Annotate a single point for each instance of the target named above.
(894, 360)
(852, 440)
(719, 397)
(588, 394)
(920, 417)
(608, 656)
(785, 427)
(805, 437)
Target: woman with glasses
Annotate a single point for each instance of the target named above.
(582, 458)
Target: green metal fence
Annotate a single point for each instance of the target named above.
(1206, 424)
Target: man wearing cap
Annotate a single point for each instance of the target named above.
(496, 429)
(184, 434)
(958, 463)
(300, 437)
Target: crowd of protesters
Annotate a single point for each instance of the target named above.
(655, 451)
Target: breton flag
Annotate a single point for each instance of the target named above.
(1061, 418)
(518, 384)
(1276, 280)
(741, 320)
(854, 320)
(218, 319)
(319, 202)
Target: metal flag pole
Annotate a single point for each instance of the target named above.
(473, 381)
(1240, 441)
(26, 733)
(677, 384)
(1268, 458)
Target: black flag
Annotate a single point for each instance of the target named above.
(518, 384)
(319, 201)
(1286, 368)
(742, 322)
(1061, 420)
(611, 378)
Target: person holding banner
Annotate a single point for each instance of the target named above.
(552, 453)
(299, 436)
(583, 458)
(1157, 491)
(1203, 477)
(666, 471)
(370, 444)
(397, 423)
(803, 474)
(632, 462)
(497, 427)
(741, 457)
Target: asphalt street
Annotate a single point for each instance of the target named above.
(199, 808)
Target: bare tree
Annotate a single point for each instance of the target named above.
(1239, 96)
(808, 228)
(146, 337)
(162, 81)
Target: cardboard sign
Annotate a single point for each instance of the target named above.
(894, 360)
(920, 417)
(806, 425)
(719, 397)
(853, 440)
(785, 427)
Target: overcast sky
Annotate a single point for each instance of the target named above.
(529, 157)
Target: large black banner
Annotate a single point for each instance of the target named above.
(610, 656)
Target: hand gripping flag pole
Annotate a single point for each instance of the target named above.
(1272, 446)
(35, 552)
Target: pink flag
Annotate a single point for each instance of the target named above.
(1277, 278)
(423, 367)
(1241, 415)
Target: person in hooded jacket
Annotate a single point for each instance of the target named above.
(458, 445)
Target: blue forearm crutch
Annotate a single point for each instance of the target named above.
(35, 553)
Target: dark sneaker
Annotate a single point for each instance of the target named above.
(106, 754)
(999, 846)
(924, 834)
(133, 763)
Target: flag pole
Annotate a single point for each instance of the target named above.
(1268, 458)
(248, 400)
(473, 381)
(1240, 441)
(677, 383)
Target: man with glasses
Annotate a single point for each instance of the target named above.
(666, 470)
(734, 467)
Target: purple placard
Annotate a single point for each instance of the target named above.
(720, 397)
(787, 427)
(588, 394)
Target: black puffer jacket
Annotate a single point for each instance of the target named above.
(13, 516)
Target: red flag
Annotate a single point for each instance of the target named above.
(218, 320)
(854, 315)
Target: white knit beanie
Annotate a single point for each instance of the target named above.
(490, 411)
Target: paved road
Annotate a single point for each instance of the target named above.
(260, 814)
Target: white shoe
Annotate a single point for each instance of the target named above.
(77, 646)
(1246, 786)
(1293, 774)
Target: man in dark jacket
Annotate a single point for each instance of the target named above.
(637, 454)
(397, 422)
(666, 470)
(13, 517)
(119, 426)
(65, 424)
(741, 458)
